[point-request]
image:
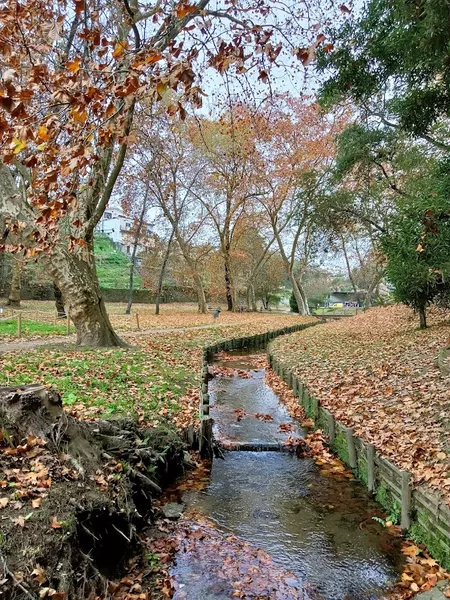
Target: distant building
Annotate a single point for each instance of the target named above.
(118, 227)
(346, 299)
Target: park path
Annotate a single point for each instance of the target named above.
(61, 341)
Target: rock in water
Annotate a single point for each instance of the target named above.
(172, 510)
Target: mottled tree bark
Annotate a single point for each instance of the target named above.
(59, 303)
(75, 275)
(251, 297)
(16, 284)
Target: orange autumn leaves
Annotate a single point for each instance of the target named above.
(376, 372)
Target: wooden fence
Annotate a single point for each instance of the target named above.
(421, 511)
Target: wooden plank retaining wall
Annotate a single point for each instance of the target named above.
(420, 510)
(254, 341)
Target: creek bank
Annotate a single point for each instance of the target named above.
(76, 498)
(318, 529)
(422, 513)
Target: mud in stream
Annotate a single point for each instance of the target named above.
(316, 533)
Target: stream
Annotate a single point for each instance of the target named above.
(316, 532)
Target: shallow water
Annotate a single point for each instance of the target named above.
(318, 527)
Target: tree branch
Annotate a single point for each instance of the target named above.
(424, 136)
(114, 174)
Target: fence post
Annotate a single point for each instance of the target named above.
(314, 408)
(331, 429)
(351, 447)
(137, 321)
(406, 501)
(371, 468)
(19, 325)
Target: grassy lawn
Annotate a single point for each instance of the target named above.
(156, 379)
(39, 315)
(113, 267)
(8, 327)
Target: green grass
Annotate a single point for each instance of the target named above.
(113, 267)
(30, 328)
(102, 381)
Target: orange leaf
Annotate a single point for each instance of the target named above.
(43, 133)
(74, 65)
(56, 524)
(119, 49)
(152, 58)
(411, 551)
(161, 88)
(79, 6)
(185, 9)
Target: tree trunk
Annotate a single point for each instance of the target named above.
(347, 262)
(228, 286)
(130, 288)
(16, 284)
(162, 272)
(59, 303)
(299, 294)
(133, 255)
(76, 277)
(422, 316)
(297, 288)
(374, 284)
(251, 297)
(201, 298)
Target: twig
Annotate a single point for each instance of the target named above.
(89, 532)
(121, 532)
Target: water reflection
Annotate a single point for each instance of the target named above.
(319, 528)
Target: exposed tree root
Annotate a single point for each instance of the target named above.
(74, 495)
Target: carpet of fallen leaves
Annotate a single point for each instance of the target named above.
(142, 318)
(377, 373)
(157, 379)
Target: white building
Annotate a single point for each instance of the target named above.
(117, 226)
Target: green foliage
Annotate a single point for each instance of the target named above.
(293, 303)
(340, 446)
(417, 251)
(113, 267)
(398, 46)
(362, 470)
(422, 531)
(9, 327)
(391, 506)
(113, 381)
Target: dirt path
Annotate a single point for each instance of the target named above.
(59, 340)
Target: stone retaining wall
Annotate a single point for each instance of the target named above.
(421, 512)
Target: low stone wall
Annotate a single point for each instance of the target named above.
(261, 340)
(421, 512)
